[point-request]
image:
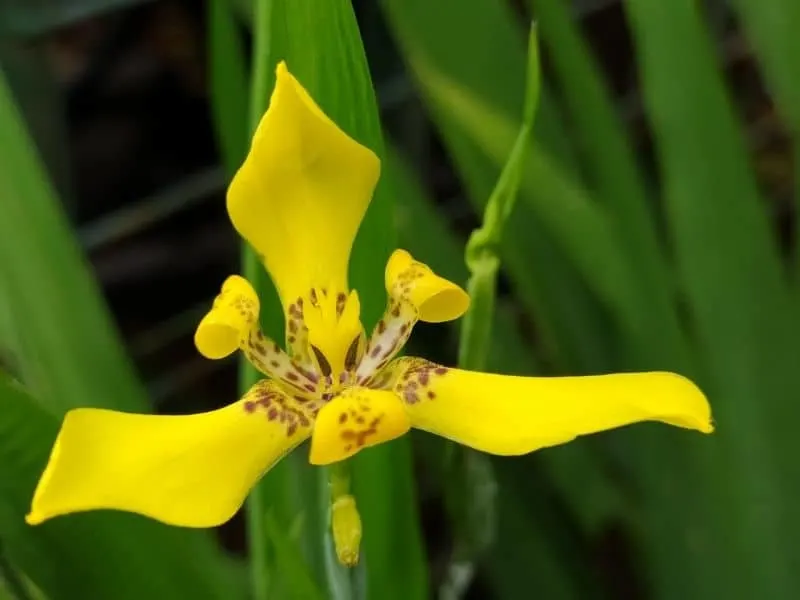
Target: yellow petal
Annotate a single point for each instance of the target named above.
(436, 299)
(301, 193)
(515, 415)
(356, 419)
(233, 315)
(192, 471)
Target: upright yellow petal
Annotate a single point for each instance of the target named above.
(356, 419)
(301, 193)
(192, 471)
(515, 415)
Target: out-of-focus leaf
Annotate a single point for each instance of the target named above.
(772, 27)
(613, 173)
(35, 17)
(40, 102)
(91, 555)
(66, 348)
(739, 306)
(228, 75)
(290, 562)
(64, 339)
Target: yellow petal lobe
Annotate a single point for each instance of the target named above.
(232, 316)
(510, 415)
(356, 419)
(191, 471)
(435, 298)
(301, 193)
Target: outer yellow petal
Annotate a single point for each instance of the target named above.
(436, 299)
(192, 471)
(516, 415)
(357, 419)
(301, 193)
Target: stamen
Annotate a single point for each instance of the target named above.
(390, 335)
(266, 356)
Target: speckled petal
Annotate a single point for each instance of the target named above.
(192, 471)
(356, 419)
(301, 193)
(509, 415)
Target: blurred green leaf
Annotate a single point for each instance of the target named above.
(290, 562)
(772, 26)
(67, 350)
(737, 299)
(229, 81)
(36, 17)
(92, 555)
(613, 172)
(63, 336)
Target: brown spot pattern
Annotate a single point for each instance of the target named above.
(267, 398)
(357, 426)
(414, 377)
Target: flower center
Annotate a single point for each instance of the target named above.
(328, 351)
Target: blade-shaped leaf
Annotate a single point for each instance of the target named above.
(738, 300)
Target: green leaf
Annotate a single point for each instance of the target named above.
(63, 341)
(613, 173)
(229, 80)
(289, 561)
(738, 302)
(61, 333)
(92, 555)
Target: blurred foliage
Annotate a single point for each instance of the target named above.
(646, 236)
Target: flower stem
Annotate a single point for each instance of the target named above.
(256, 515)
(472, 486)
(481, 253)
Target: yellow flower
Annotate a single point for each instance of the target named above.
(299, 199)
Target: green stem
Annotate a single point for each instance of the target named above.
(471, 471)
(339, 479)
(481, 252)
(256, 515)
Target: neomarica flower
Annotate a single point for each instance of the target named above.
(298, 200)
